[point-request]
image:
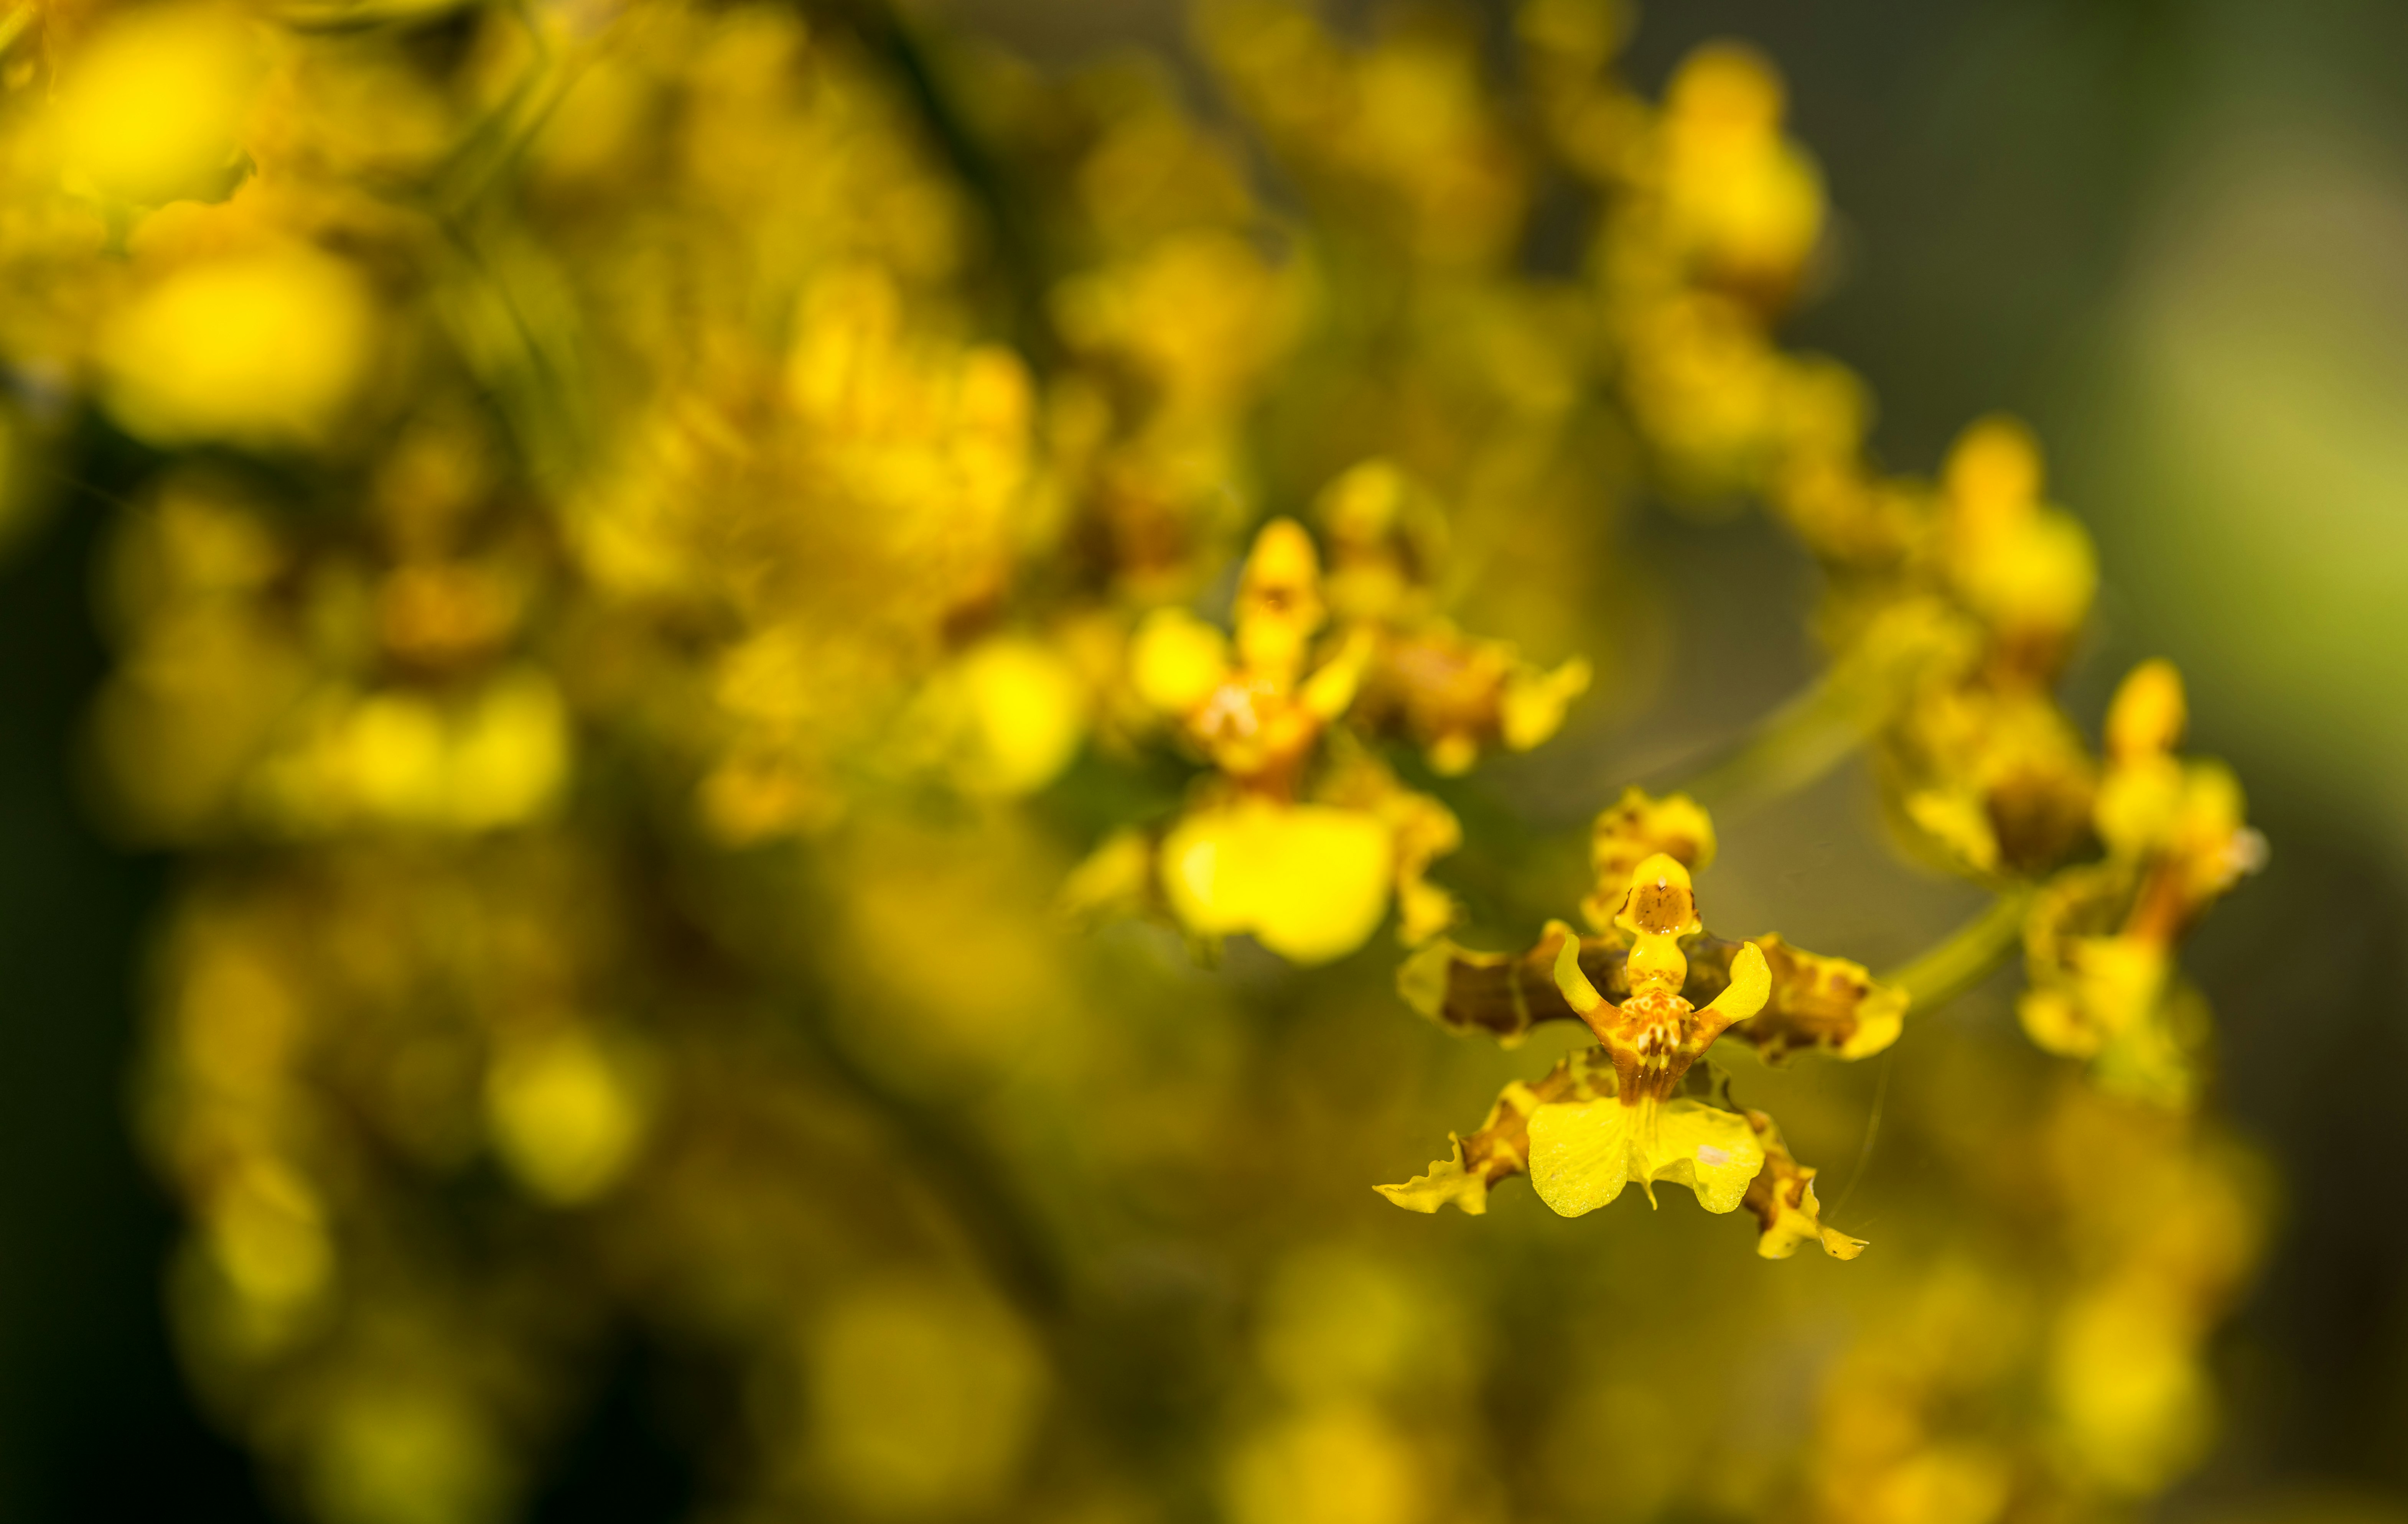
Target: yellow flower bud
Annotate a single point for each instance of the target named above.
(1993, 472)
(1279, 600)
(2147, 715)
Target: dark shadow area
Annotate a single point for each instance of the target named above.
(96, 1420)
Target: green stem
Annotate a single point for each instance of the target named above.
(1787, 749)
(886, 29)
(1965, 956)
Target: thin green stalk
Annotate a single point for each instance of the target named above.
(1965, 956)
(1787, 749)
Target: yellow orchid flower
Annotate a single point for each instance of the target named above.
(1995, 775)
(1580, 1156)
(1830, 1005)
(1453, 694)
(2188, 816)
(1449, 692)
(2100, 940)
(1309, 876)
(1571, 1133)
(1255, 712)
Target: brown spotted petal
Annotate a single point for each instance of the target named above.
(1828, 1004)
(1782, 1196)
(1500, 1149)
(1504, 995)
(1633, 828)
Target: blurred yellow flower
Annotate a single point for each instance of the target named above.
(150, 107)
(1308, 881)
(566, 1114)
(269, 349)
(922, 1397)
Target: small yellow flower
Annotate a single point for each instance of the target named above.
(1449, 692)
(1609, 1117)
(1386, 537)
(1994, 774)
(567, 1114)
(152, 109)
(1004, 720)
(1582, 1155)
(2100, 940)
(1746, 202)
(1307, 871)
(1258, 717)
(1830, 1005)
(2187, 817)
(269, 349)
(1454, 693)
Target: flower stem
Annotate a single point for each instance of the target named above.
(1965, 957)
(1787, 749)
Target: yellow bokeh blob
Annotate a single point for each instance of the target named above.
(567, 1118)
(1310, 881)
(388, 1450)
(266, 349)
(1341, 1464)
(268, 1233)
(924, 1398)
(150, 110)
(1024, 713)
(1176, 660)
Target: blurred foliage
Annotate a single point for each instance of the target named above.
(796, 670)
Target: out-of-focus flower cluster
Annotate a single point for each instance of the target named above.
(721, 599)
